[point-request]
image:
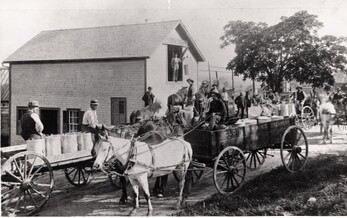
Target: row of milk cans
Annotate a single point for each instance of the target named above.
(61, 144)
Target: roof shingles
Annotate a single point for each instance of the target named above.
(126, 41)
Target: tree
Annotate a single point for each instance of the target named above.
(289, 50)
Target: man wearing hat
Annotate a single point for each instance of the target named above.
(299, 99)
(148, 97)
(217, 112)
(31, 124)
(191, 92)
(240, 103)
(90, 118)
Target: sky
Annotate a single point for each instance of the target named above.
(21, 20)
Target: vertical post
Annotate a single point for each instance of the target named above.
(232, 79)
(209, 74)
(217, 80)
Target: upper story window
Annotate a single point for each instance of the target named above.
(175, 60)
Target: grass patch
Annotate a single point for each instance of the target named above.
(319, 190)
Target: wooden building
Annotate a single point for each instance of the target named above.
(64, 69)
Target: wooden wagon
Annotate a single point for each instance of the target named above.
(231, 151)
(27, 177)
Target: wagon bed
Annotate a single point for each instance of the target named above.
(232, 150)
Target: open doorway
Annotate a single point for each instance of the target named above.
(50, 120)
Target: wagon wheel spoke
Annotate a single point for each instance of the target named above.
(10, 184)
(36, 172)
(19, 169)
(37, 192)
(14, 176)
(32, 199)
(32, 166)
(221, 172)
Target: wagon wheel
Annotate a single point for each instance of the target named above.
(255, 158)
(229, 170)
(294, 149)
(307, 117)
(26, 184)
(78, 176)
(197, 173)
(115, 181)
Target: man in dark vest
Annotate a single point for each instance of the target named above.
(31, 124)
(217, 112)
(148, 97)
(299, 99)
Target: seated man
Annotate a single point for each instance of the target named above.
(217, 112)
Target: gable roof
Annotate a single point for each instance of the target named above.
(110, 42)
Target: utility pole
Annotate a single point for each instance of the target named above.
(217, 80)
(232, 80)
(209, 74)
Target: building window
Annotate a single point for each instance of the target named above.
(72, 120)
(175, 63)
(20, 112)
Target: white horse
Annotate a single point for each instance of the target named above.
(143, 160)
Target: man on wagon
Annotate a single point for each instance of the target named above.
(90, 118)
(32, 126)
(217, 112)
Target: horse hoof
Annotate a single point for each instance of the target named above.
(133, 212)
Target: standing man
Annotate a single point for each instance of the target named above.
(240, 103)
(299, 99)
(148, 97)
(90, 118)
(191, 92)
(175, 65)
(32, 126)
(225, 99)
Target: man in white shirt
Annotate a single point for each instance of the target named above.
(225, 98)
(90, 118)
(31, 124)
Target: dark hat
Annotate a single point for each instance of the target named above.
(94, 102)
(298, 87)
(149, 87)
(214, 85)
(32, 104)
(190, 80)
(215, 91)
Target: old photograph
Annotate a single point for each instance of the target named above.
(173, 107)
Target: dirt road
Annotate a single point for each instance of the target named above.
(99, 198)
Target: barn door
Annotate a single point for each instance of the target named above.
(118, 111)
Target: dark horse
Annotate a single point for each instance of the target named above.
(177, 99)
(145, 113)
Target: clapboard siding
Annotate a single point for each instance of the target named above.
(72, 85)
